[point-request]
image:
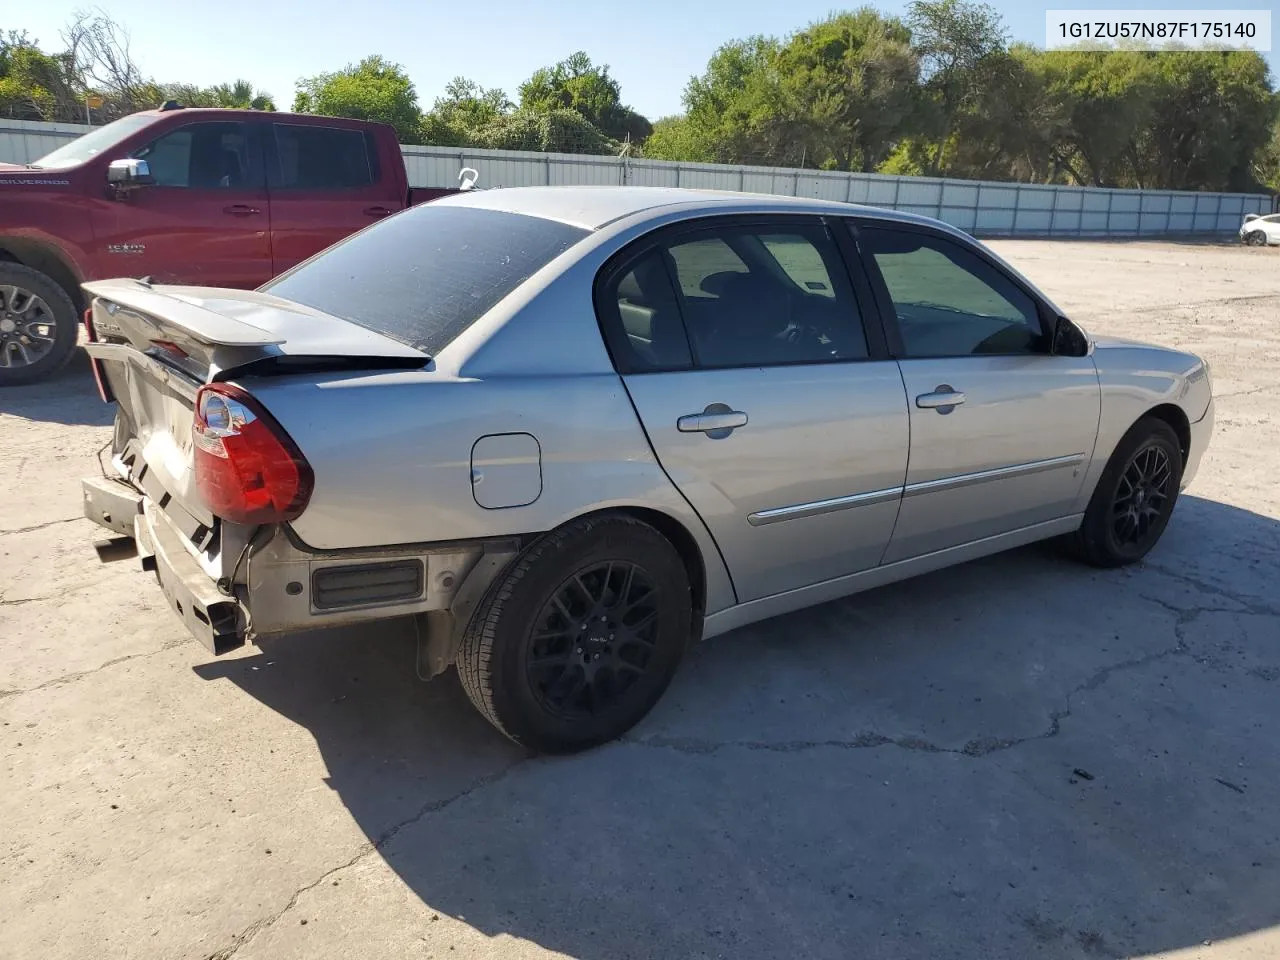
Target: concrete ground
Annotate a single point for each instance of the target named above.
(1018, 757)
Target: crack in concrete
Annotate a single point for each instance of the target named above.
(80, 675)
(249, 933)
(21, 600)
(977, 747)
(1242, 393)
(41, 526)
(1247, 604)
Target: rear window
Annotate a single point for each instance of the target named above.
(424, 276)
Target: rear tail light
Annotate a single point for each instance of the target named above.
(248, 470)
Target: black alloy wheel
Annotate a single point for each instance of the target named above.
(594, 639)
(1142, 498)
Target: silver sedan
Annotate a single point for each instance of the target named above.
(572, 430)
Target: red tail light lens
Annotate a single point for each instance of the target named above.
(248, 470)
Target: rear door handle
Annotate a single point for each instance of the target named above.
(240, 210)
(377, 211)
(717, 421)
(944, 399)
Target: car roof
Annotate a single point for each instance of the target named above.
(596, 207)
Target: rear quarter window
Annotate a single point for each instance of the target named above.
(423, 276)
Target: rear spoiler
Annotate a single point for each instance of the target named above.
(212, 333)
(201, 324)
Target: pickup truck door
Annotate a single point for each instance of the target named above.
(326, 182)
(204, 221)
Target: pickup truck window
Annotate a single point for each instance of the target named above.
(205, 156)
(425, 275)
(323, 158)
(85, 148)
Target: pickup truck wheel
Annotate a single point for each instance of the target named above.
(38, 326)
(576, 642)
(1134, 499)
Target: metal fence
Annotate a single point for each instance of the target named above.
(982, 207)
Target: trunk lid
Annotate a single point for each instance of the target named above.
(153, 347)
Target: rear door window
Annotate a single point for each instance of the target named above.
(424, 276)
(323, 158)
(763, 296)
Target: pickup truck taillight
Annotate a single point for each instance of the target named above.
(248, 470)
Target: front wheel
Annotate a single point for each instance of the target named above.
(576, 642)
(38, 326)
(1134, 499)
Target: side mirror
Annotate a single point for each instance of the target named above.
(1068, 340)
(125, 174)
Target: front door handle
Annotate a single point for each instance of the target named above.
(944, 399)
(717, 421)
(240, 210)
(377, 211)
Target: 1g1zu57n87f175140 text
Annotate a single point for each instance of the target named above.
(1159, 29)
(1164, 30)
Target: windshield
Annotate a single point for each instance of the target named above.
(93, 143)
(424, 276)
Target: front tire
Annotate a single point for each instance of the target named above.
(1135, 496)
(38, 326)
(577, 641)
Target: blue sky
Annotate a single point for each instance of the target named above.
(652, 46)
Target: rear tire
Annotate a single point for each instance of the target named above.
(578, 639)
(1135, 497)
(22, 291)
(1255, 238)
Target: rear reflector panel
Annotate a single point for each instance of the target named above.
(362, 584)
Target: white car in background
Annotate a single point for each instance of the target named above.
(1260, 231)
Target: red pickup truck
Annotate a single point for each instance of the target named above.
(191, 196)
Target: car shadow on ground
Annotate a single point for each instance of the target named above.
(70, 396)
(1019, 756)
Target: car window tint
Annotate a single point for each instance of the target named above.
(322, 158)
(207, 156)
(802, 262)
(425, 275)
(648, 331)
(948, 301)
(699, 260)
(757, 303)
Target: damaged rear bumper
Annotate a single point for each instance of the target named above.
(274, 584)
(217, 620)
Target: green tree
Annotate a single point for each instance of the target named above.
(464, 109)
(954, 39)
(34, 85)
(734, 111)
(239, 95)
(558, 130)
(848, 84)
(1212, 112)
(677, 138)
(1266, 164)
(575, 83)
(1100, 98)
(373, 89)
